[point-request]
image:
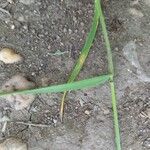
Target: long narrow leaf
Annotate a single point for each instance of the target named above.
(112, 85)
(92, 82)
(107, 42)
(83, 55)
(115, 116)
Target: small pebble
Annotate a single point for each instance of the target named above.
(10, 1)
(106, 111)
(83, 32)
(55, 121)
(12, 26)
(9, 56)
(70, 31)
(33, 74)
(87, 112)
(21, 18)
(136, 13)
(25, 27)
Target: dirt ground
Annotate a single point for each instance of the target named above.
(49, 34)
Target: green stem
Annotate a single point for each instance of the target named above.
(115, 116)
(112, 85)
(107, 43)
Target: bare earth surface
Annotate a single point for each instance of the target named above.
(49, 34)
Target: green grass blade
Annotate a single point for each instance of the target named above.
(86, 48)
(83, 55)
(115, 116)
(92, 82)
(107, 42)
(111, 71)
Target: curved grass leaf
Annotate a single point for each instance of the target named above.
(92, 82)
(83, 55)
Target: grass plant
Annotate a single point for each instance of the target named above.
(87, 83)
